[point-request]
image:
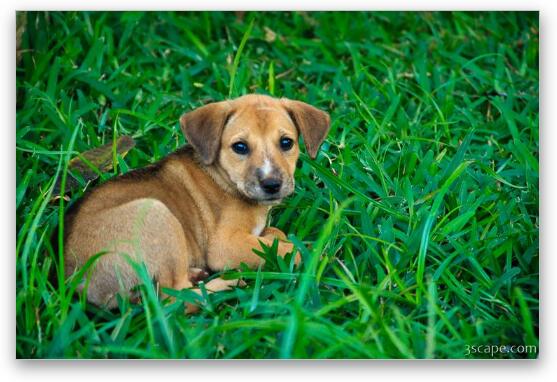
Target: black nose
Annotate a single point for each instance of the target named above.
(270, 185)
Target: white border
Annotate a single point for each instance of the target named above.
(281, 5)
(542, 369)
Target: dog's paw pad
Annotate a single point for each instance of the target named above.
(197, 274)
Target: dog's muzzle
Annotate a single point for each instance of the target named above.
(270, 186)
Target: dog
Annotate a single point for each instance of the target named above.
(203, 207)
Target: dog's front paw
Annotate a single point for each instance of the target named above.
(297, 258)
(287, 247)
(273, 233)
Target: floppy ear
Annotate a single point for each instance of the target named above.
(203, 128)
(311, 122)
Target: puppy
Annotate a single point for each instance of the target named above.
(204, 206)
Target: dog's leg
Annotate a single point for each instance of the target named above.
(272, 233)
(231, 248)
(144, 231)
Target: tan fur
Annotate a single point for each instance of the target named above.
(201, 207)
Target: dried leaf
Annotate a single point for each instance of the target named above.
(90, 163)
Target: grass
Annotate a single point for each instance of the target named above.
(418, 222)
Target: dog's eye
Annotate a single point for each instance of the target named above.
(240, 148)
(286, 143)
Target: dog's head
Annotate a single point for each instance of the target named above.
(254, 140)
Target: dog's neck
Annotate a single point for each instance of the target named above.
(223, 181)
(221, 178)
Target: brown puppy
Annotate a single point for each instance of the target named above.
(204, 206)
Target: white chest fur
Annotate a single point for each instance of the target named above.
(259, 226)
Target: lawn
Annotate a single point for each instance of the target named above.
(418, 221)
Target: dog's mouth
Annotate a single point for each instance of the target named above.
(255, 193)
(266, 199)
(271, 200)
